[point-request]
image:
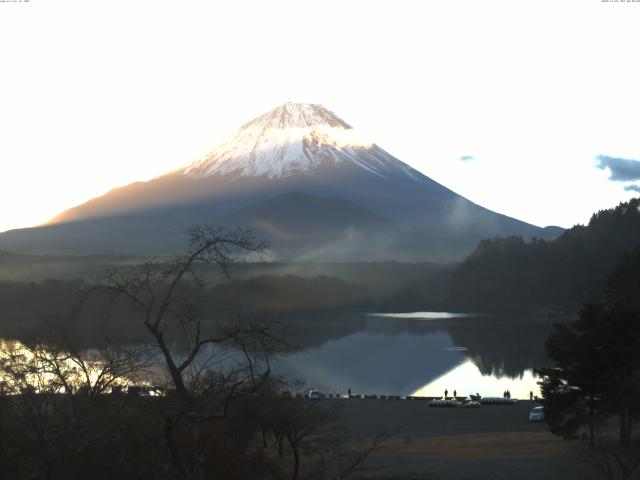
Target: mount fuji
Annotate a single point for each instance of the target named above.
(299, 175)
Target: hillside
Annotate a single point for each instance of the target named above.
(511, 274)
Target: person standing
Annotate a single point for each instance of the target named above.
(446, 392)
(531, 395)
(455, 394)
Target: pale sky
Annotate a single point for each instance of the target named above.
(508, 103)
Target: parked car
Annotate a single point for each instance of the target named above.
(315, 395)
(537, 414)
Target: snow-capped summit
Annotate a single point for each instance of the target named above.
(297, 115)
(294, 138)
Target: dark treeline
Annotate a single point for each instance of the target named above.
(265, 289)
(30, 304)
(509, 274)
(269, 294)
(23, 267)
(391, 286)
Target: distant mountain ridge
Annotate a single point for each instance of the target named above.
(301, 149)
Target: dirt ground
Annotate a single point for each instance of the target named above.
(502, 446)
(491, 442)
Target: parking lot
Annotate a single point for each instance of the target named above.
(490, 442)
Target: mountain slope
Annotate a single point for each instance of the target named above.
(294, 144)
(297, 214)
(307, 227)
(294, 148)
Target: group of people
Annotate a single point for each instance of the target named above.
(505, 394)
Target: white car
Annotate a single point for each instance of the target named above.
(315, 395)
(537, 414)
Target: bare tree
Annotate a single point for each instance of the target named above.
(314, 433)
(61, 365)
(154, 290)
(54, 390)
(305, 425)
(342, 457)
(23, 376)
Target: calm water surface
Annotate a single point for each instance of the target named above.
(419, 353)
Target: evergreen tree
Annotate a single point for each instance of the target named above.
(597, 371)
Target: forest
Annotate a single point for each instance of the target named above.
(548, 277)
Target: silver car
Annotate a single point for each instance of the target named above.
(537, 414)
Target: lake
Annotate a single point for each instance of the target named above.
(419, 353)
(416, 353)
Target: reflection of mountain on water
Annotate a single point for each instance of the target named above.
(503, 347)
(369, 362)
(391, 355)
